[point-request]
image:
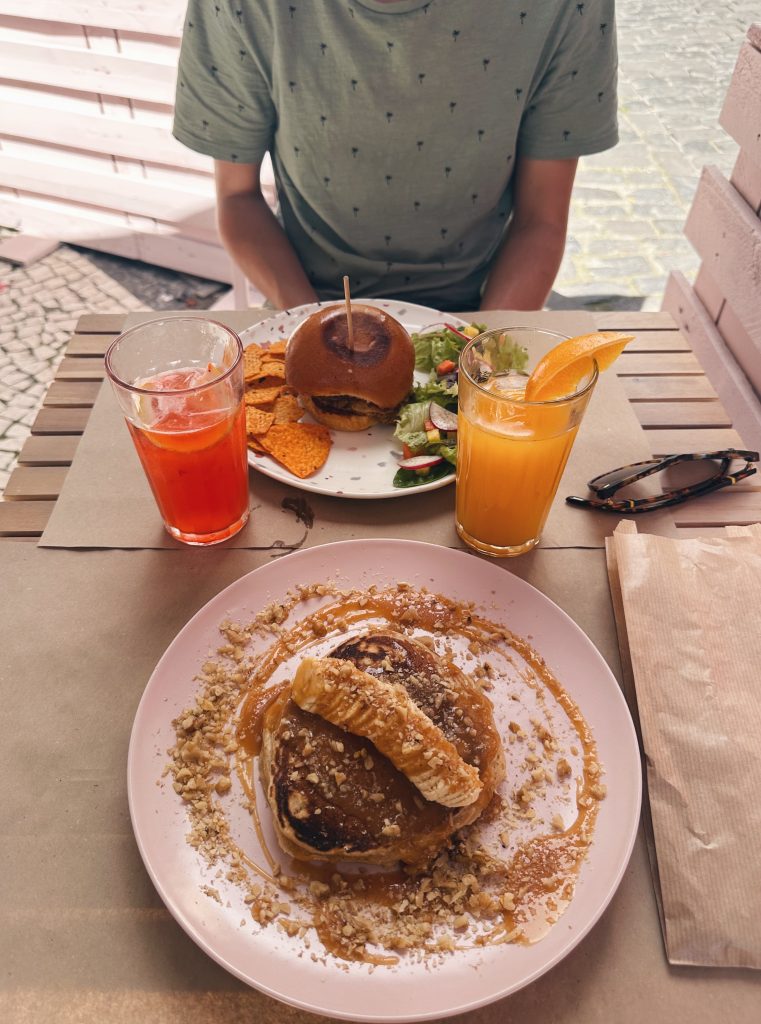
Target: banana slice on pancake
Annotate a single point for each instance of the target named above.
(384, 713)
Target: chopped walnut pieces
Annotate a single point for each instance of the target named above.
(460, 898)
(507, 901)
(564, 769)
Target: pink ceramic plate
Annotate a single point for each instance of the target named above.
(267, 958)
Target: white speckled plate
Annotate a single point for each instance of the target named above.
(361, 464)
(281, 965)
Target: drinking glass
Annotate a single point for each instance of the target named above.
(179, 382)
(510, 453)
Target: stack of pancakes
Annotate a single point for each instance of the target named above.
(335, 796)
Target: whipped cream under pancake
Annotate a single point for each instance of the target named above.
(378, 753)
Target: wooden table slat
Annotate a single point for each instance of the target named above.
(72, 393)
(101, 323)
(708, 439)
(89, 344)
(43, 450)
(659, 341)
(668, 389)
(55, 420)
(633, 320)
(75, 368)
(634, 364)
(24, 518)
(728, 507)
(35, 483)
(682, 414)
(701, 532)
(84, 368)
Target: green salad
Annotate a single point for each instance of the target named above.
(427, 423)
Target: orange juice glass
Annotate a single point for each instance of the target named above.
(510, 453)
(179, 382)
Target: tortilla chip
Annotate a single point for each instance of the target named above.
(258, 421)
(252, 361)
(287, 409)
(301, 447)
(272, 368)
(255, 444)
(264, 395)
(277, 348)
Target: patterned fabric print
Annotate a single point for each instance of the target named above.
(394, 129)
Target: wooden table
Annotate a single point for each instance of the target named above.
(669, 392)
(83, 933)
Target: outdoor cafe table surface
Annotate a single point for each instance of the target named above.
(83, 934)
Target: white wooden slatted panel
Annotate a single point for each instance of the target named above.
(89, 71)
(745, 349)
(731, 384)
(35, 30)
(726, 233)
(86, 93)
(91, 130)
(81, 159)
(121, 234)
(132, 193)
(709, 293)
(746, 177)
(741, 113)
(164, 17)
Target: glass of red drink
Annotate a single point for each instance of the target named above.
(179, 382)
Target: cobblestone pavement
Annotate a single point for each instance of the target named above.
(625, 232)
(676, 59)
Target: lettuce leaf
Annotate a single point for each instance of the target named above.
(433, 347)
(412, 421)
(443, 392)
(409, 478)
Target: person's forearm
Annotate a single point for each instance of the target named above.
(255, 240)
(525, 267)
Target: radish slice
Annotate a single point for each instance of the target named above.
(442, 418)
(421, 461)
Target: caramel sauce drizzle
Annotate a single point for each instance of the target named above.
(543, 869)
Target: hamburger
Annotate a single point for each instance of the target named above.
(344, 386)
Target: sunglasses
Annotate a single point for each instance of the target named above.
(715, 466)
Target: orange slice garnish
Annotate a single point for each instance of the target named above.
(562, 369)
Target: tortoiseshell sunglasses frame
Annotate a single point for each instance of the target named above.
(606, 485)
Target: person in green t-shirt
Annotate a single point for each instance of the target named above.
(426, 149)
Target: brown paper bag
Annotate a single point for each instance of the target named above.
(691, 612)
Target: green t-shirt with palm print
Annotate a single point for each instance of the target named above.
(394, 127)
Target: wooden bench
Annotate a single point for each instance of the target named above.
(721, 313)
(86, 150)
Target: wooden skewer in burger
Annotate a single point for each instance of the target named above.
(351, 365)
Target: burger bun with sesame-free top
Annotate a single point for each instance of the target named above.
(350, 384)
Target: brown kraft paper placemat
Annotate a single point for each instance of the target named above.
(105, 501)
(688, 613)
(83, 934)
